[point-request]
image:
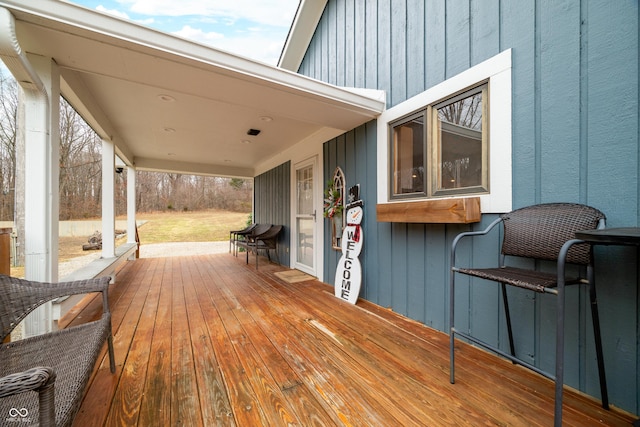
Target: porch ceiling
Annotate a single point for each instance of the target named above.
(174, 105)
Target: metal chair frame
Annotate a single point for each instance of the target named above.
(541, 232)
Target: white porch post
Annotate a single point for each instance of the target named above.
(108, 200)
(131, 204)
(39, 79)
(42, 150)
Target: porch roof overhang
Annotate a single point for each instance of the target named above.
(169, 104)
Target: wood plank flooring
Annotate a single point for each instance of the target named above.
(207, 341)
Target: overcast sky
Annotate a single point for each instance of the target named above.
(253, 28)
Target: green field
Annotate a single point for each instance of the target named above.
(159, 227)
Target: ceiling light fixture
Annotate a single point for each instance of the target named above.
(169, 130)
(166, 98)
(266, 119)
(246, 141)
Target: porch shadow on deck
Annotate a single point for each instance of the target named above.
(208, 340)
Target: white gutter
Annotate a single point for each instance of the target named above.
(38, 224)
(15, 60)
(40, 202)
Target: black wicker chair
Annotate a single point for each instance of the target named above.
(247, 238)
(266, 241)
(234, 235)
(540, 232)
(43, 378)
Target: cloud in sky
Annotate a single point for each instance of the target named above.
(256, 29)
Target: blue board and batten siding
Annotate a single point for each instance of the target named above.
(272, 204)
(575, 138)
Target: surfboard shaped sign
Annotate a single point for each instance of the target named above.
(348, 278)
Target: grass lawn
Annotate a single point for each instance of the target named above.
(196, 226)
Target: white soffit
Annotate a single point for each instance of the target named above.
(165, 101)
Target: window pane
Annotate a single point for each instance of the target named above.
(459, 143)
(304, 248)
(305, 191)
(408, 157)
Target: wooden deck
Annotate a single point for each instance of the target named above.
(207, 340)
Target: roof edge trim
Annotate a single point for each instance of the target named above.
(304, 26)
(127, 31)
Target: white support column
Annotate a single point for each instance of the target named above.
(108, 200)
(42, 140)
(39, 80)
(42, 143)
(131, 204)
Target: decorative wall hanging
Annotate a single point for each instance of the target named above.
(334, 206)
(349, 271)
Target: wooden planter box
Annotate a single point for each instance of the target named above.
(439, 211)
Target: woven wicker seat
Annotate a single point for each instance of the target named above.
(43, 378)
(541, 232)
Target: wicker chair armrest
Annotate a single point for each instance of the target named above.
(562, 259)
(97, 284)
(24, 296)
(33, 379)
(460, 236)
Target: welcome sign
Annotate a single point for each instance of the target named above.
(348, 278)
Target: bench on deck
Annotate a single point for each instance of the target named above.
(43, 378)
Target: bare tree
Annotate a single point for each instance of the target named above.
(8, 128)
(465, 112)
(80, 166)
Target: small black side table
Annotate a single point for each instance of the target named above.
(611, 236)
(626, 236)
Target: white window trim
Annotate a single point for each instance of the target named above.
(498, 71)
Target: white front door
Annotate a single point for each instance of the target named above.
(305, 217)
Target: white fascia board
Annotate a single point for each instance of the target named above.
(113, 30)
(378, 94)
(302, 29)
(158, 165)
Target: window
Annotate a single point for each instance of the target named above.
(459, 144)
(449, 155)
(451, 141)
(409, 156)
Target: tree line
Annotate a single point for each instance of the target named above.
(81, 172)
